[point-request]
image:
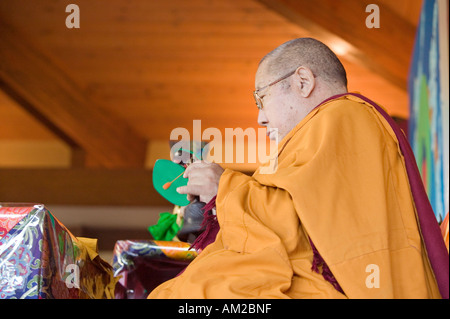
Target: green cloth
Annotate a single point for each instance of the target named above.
(166, 228)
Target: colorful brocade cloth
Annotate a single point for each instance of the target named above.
(142, 265)
(41, 259)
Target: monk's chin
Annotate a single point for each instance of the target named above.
(272, 135)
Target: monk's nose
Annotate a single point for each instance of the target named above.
(262, 119)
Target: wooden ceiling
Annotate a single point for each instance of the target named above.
(109, 93)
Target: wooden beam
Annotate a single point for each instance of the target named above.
(386, 50)
(80, 186)
(108, 236)
(47, 91)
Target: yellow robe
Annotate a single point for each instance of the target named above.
(341, 182)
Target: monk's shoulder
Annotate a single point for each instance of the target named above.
(347, 109)
(350, 117)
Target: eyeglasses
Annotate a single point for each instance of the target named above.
(258, 99)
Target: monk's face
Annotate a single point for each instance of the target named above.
(280, 112)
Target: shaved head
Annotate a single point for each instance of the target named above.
(292, 80)
(309, 53)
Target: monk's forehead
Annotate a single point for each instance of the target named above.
(263, 75)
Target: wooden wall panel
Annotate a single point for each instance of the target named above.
(47, 92)
(385, 50)
(124, 187)
(155, 65)
(17, 124)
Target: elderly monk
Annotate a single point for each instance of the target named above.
(342, 215)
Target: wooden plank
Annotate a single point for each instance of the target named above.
(126, 187)
(408, 9)
(108, 236)
(51, 153)
(48, 93)
(160, 70)
(97, 12)
(164, 40)
(19, 123)
(150, 28)
(80, 186)
(385, 50)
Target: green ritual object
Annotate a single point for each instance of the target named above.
(167, 177)
(166, 228)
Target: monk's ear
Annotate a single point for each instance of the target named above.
(306, 81)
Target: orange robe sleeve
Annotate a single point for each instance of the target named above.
(260, 238)
(339, 180)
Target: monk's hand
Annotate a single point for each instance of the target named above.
(203, 181)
